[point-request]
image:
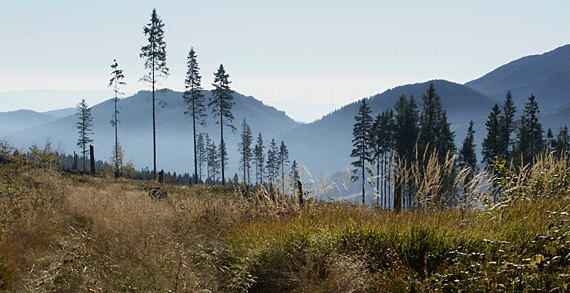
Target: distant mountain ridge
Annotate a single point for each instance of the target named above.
(174, 131)
(326, 144)
(322, 145)
(547, 76)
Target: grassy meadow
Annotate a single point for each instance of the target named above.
(68, 232)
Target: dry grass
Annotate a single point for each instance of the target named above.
(78, 233)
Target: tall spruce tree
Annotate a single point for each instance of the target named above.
(283, 159)
(259, 159)
(467, 155)
(115, 82)
(492, 144)
(212, 161)
(361, 134)
(562, 142)
(295, 177)
(202, 155)
(406, 132)
(530, 140)
(84, 125)
(221, 104)
(507, 126)
(382, 144)
(194, 98)
(246, 151)
(435, 133)
(272, 163)
(155, 55)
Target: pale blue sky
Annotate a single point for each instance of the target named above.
(316, 51)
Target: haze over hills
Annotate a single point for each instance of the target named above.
(174, 132)
(326, 144)
(322, 145)
(547, 76)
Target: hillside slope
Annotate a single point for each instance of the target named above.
(326, 143)
(545, 75)
(174, 130)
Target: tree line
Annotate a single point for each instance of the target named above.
(404, 140)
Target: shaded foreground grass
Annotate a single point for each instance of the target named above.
(76, 233)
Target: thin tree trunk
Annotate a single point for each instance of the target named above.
(153, 120)
(195, 177)
(222, 145)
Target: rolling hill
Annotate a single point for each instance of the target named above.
(326, 143)
(547, 76)
(174, 132)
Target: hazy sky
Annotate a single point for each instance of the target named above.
(316, 51)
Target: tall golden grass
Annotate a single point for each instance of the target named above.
(63, 232)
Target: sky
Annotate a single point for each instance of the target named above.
(324, 52)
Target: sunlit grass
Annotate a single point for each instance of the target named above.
(79, 233)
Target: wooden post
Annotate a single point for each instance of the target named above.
(161, 176)
(74, 167)
(92, 155)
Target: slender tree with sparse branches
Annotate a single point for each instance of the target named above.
(155, 55)
(221, 104)
(194, 97)
(361, 142)
(115, 82)
(84, 125)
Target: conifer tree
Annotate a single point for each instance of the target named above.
(212, 162)
(84, 125)
(194, 97)
(435, 132)
(221, 104)
(361, 133)
(259, 159)
(115, 82)
(507, 126)
(155, 54)
(245, 150)
(283, 159)
(467, 155)
(406, 128)
(272, 164)
(530, 140)
(491, 144)
(562, 142)
(202, 155)
(406, 132)
(295, 176)
(550, 143)
(382, 144)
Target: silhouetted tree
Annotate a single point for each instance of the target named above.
(272, 164)
(283, 159)
(202, 153)
(194, 97)
(467, 155)
(245, 150)
(435, 133)
(491, 144)
(155, 54)
(361, 134)
(84, 125)
(221, 104)
(507, 126)
(530, 140)
(562, 142)
(259, 159)
(115, 82)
